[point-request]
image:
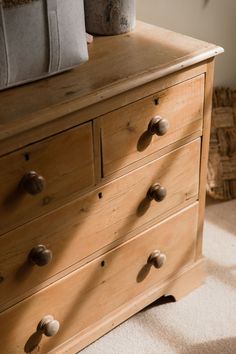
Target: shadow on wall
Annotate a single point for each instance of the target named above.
(206, 2)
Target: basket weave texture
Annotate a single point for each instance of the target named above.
(10, 3)
(221, 179)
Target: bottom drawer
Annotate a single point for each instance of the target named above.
(101, 286)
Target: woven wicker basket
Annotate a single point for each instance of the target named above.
(10, 3)
(221, 180)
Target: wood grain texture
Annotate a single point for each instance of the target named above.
(165, 150)
(102, 286)
(153, 53)
(179, 285)
(51, 127)
(78, 252)
(66, 162)
(205, 152)
(83, 227)
(13, 300)
(124, 132)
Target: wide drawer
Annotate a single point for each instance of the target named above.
(124, 132)
(62, 166)
(88, 224)
(103, 285)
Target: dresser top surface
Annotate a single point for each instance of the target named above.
(116, 64)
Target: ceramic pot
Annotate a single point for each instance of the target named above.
(110, 17)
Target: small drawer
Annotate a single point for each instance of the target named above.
(102, 286)
(38, 178)
(84, 226)
(143, 127)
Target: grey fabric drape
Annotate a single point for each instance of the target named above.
(40, 38)
(4, 58)
(54, 40)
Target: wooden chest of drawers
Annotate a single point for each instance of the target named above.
(102, 190)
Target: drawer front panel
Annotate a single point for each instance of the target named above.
(95, 221)
(125, 135)
(101, 286)
(65, 161)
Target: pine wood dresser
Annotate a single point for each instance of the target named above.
(102, 189)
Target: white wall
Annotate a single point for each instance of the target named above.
(210, 20)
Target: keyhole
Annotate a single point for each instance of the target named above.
(103, 263)
(27, 156)
(156, 101)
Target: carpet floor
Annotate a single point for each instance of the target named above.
(204, 322)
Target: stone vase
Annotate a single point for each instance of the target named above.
(110, 17)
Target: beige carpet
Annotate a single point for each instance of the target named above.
(204, 322)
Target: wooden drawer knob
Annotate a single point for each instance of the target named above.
(157, 259)
(157, 192)
(33, 183)
(49, 326)
(158, 126)
(40, 255)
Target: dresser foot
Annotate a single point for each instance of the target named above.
(181, 286)
(175, 288)
(191, 279)
(163, 300)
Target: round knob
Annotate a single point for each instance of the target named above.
(33, 183)
(157, 259)
(49, 326)
(157, 192)
(40, 255)
(158, 126)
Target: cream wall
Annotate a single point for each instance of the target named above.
(210, 20)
